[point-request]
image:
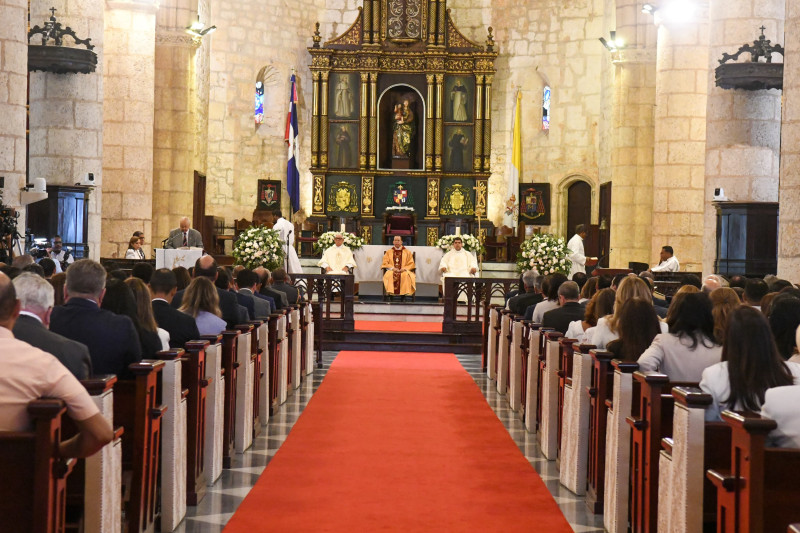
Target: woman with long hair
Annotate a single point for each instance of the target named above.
(723, 301)
(676, 300)
(144, 310)
(134, 250)
(201, 301)
(638, 326)
(689, 346)
(607, 328)
(58, 281)
(601, 304)
(784, 318)
(119, 299)
(183, 277)
(750, 366)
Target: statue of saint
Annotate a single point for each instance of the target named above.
(341, 155)
(458, 99)
(457, 144)
(404, 130)
(344, 97)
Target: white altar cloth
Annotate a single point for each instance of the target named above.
(175, 257)
(369, 258)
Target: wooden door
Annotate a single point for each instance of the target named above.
(605, 223)
(199, 204)
(579, 206)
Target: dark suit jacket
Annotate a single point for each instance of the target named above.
(181, 327)
(73, 355)
(227, 304)
(280, 298)
(292, 294)
(268, 299)
(112, 339)
(559, 318)
(519, 303)
(246, 302)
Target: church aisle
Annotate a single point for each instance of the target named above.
(398, 442)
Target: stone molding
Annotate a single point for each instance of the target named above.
(176, 38)
(145, 6)
(635, 56)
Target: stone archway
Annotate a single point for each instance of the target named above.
(577, 183)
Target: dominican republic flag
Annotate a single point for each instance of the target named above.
(292, 175)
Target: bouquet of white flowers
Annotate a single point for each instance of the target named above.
(325, 241)
(259, 246)
(470, 242)
(546, 253)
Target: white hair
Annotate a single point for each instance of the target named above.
(35, 293)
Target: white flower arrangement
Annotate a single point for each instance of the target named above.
(545, 253)
(325, 241)
(470, 242)
(259, 246)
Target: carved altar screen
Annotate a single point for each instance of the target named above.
(402, 96)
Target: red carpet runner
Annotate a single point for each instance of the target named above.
(402, 327)
(398, 442)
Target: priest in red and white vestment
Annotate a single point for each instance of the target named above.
(399, 279)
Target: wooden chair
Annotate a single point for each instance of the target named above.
(33, 490)
(497, 244)
(307, 235)
(403, 225)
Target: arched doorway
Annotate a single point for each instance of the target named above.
(579, 206)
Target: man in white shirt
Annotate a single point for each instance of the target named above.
(575, 246)
(63, 258)
(338, 259)
(286, 231)
(668, 263)
(458, 262)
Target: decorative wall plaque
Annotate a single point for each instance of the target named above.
(534, 203)
(457, 200)
(269, 194)
(343, 198)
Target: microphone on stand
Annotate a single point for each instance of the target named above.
(600, 260)
(286, 259)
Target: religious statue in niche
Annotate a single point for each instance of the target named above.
(343, 145)
(404, 134)
(344, 95)
(458, 149)
(459, 93)
(458, 99)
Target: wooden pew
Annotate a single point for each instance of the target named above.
(617, 478)
(214, 441)
(548, 426)
(33, 490)
(139, 410)
(489, 360)
(687, 500)
(261, 376)
(284, 363)
(195, 379)
(516, 379)
(308, 337)
(274, 357)
(504, 350)
(536, 339)
(243, 413)
(565, 352)
(651, 421)
(600, 390)
(289, 341)
(524, 356)
(760, 492)
(173, 440)
(574, 432)
(295, 334)
(230, 365)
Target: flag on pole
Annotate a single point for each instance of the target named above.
(292, 174)
(515, 169)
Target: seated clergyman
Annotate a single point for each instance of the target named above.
(458, 262)
(399, 278)
(338, 259)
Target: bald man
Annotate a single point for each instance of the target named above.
(232, 312)
(184, 236)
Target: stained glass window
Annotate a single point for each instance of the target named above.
(259, 107)
(546, 108)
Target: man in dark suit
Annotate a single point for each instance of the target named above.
(206, 267)
(280, 298)
(112, 339)
(247, 283)
(279, 284)
(532, 295)
(36, 299)
(181, 327)
(225, 282)
(569, 309)
(184, 236)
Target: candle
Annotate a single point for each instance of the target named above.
(458, 231)
(341, 227)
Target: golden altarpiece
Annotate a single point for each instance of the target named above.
(401, 121)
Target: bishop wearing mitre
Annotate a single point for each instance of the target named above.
(399, 279)
(338, 259)
(458, 262)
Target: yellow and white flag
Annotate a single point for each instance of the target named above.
(515, 168)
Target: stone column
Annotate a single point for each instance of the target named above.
(680, 135)
(744, 127)
(128, 97)
(66, 113)
(632, 133)
(13, 83)
(177, 110)
(789, 230)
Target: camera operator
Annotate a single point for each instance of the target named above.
(63, 258)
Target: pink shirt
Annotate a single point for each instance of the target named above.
(28, 374)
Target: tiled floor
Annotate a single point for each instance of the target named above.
(224, 497)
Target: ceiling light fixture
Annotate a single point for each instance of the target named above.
(614, 43)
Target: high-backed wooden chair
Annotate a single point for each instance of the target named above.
(497, 244)
(403, 225)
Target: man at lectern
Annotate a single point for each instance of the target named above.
(399, 278)
(338, 259)
(184, 236)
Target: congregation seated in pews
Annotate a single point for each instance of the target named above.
(161, 406)
(684, 422)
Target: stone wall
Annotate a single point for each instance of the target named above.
(66, 111)
(128, 93)
(13, 74)
(239, 153)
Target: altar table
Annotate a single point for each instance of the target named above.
(369, 259)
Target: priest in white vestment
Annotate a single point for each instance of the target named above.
(338, 259)
(286, 231)
(458, 262)
(577, 255)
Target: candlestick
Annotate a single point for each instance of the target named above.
(341, 228)
(458, 231)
